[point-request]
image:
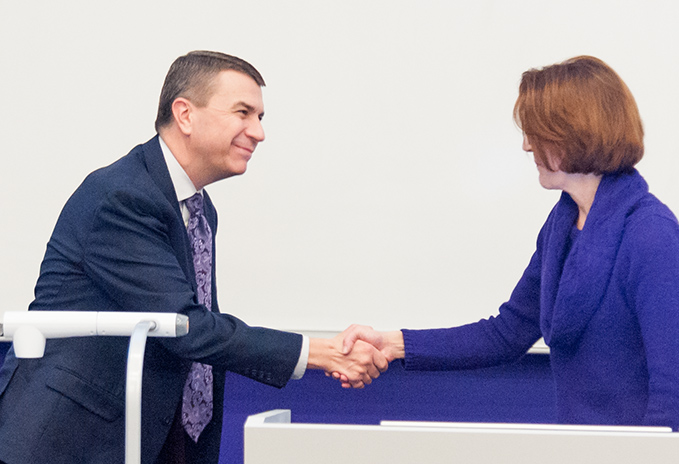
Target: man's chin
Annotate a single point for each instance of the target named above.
(236, 172)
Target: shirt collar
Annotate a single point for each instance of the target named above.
(183, 186)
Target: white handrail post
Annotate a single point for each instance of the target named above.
(135, 367)
(29, 329)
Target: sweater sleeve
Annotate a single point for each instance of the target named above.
(654, 294)
(488, 342)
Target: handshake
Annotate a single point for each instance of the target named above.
(356, 356)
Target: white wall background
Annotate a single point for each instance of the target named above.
(391, 189)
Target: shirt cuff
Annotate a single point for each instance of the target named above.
(300, 368)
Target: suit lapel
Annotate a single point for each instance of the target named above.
(157, 169)
(155, 163)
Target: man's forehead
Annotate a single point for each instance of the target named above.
(238, 88)
(236, 79)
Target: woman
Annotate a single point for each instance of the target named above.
(602, 287)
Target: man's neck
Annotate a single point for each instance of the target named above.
(183, 185)
(176, 142)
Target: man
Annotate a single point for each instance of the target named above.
(138, 236)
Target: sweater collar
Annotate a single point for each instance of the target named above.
(574, 281)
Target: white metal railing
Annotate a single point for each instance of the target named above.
(29, 330)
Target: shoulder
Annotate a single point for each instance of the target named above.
(650, 241)
(139, 166)
(125, 186)
(123, 172)
(649, 219)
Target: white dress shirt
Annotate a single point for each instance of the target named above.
(184, 188)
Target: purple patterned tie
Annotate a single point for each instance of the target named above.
(197, 402)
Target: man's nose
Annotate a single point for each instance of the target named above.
(255, 130)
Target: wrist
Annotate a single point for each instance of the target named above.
(395, 346)
(320, 350)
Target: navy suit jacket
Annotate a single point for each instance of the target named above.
(120, 244)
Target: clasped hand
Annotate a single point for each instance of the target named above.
(362, 354)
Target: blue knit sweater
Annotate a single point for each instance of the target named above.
(606, 301)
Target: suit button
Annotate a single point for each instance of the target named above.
(167, 420)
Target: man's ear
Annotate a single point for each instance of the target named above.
(182, 111)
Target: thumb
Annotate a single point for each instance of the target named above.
(381, 361)
(348, 342)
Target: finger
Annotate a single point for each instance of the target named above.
(358, 379)
(358, 384)
(341, 377)
(380, 361)
(372, 372)
(348, 342)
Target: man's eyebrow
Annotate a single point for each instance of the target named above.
(248, 107)
(244, 105)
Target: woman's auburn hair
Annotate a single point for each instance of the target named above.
(580, 115)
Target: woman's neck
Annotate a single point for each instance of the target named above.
(582, 189)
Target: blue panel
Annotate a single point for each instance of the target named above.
(520, 392)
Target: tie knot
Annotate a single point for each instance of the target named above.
(195, 205)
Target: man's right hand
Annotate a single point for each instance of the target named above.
(390, 344)
(356, 367)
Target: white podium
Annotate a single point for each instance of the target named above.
(270, 437)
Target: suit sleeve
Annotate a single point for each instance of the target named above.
(130, 250)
